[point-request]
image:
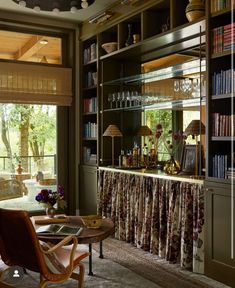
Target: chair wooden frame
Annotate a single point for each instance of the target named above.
(37, 262)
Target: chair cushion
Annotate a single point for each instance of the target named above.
(52, 260)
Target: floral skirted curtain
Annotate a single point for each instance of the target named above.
(164, 217)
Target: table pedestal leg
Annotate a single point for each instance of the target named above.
(101, 250)
(90, 273)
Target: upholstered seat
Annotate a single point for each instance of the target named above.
(54, 263)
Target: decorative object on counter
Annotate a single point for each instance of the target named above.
(174, 147)
(19, 169)
(92, 221)
(112, 131)
(109, 47)
(39, 176)
(189, 160)
(195, 9)
(50, 211)
(129, 39)
(196, 128)
(136, 38)
(49, 198)
(172, 166)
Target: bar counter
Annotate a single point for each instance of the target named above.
(158, 213)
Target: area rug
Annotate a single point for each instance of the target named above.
(149, 266)
(125, 266)
(107, 274)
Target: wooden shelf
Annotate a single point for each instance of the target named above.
(222, 54)
(184, 36)
(222, 138)
(221, 12)
(222, 96)
(92, 62)
(89, 113)
(89, 138)
(89, 88)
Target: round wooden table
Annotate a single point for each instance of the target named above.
(87, 236)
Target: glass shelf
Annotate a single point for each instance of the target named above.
(179, 104)
(179, 70)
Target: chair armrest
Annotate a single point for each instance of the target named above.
(66, 240)
(63, 242)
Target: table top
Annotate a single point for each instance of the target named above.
(88, 235)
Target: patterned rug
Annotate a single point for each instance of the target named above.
(125, 266)
(150, 267)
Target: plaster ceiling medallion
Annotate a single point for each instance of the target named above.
(55, 6)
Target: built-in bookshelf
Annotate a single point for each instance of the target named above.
(220, 90)
(90, 102)
(219, 264)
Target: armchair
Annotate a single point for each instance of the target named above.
(19, 246)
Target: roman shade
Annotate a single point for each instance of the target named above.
(35, 84)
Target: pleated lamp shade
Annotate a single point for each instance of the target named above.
(112, 131)
(195, 127)
(144, 131)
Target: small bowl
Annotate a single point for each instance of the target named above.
(92, 221)
(109, 47)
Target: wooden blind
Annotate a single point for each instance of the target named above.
(35, 84)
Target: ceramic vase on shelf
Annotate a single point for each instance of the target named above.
(172, 166)
(129, 39)
(50, 211)
(195, 9)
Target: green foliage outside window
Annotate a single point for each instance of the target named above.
(163, 117)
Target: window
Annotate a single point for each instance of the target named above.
(27, 145)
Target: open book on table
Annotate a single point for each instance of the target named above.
(54, 229)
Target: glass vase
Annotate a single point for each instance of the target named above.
(172, 166)
(129, 39)
(50, 212)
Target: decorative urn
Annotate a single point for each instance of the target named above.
(195, 9)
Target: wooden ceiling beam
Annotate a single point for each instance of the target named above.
(29, 49)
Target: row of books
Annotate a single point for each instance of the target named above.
(222, 125)
(90, 104)
(90, 79)
(90, 130)
(218, 5)
(88, 157)
(222, 82)
(90, 53)
(223, 38)
(220, 166)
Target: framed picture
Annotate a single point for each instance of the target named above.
(188, 163)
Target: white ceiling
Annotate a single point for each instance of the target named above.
(81, 15)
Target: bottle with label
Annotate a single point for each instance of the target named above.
(120, 159)
(153, 156)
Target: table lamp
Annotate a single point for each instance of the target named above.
(112, 131)
(195, 128)
(144, 131)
